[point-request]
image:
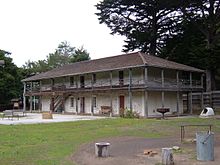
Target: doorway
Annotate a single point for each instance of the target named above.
(121, 105)
(82, 104)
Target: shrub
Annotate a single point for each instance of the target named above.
(128, 113)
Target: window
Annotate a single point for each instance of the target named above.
(94, 78)
(71, 81)
(82, 81)
(72, 102)
(94, 101)
(121, 78)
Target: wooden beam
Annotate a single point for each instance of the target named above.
(162, 99)
(129, 89)
(190, 103)
(34, 103)
(31, 97)
(145, 91)
(162, 78)
(177, 79)
(24, 97)
(145, 76)
(92, 105)
(146, 103)
(76, 104)
(178, 102)
(177, 93)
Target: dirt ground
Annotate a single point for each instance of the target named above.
(129, 151)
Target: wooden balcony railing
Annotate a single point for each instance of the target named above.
(136, 82)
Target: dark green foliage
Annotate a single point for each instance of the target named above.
(183, 31)
(145, 23)
(10, 79)
(64, 54)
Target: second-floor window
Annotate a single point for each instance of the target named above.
(72, 81)
(93, 78)
(121, 77)
(82, 81)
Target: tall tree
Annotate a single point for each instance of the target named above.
(205, 15)
(10, 79)
(145, 23)
(172, 29)
(199, 43)
(64, 54)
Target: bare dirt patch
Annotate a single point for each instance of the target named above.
(130, 151)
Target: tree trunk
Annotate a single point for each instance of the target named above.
(210, 80)
(167, 156)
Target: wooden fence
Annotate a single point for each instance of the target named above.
(201, 100)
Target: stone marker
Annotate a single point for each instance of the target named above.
(167, 156)
(102, 149)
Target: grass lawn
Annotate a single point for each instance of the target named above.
(52, 144)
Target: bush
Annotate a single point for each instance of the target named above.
(128, 113)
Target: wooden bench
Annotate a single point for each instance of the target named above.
(9, 114)
(106, 109)
(182, 128)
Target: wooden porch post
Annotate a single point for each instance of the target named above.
(145, 91)
(31, 98)
(162, 83)
(34, 103)
(190, 102)
(190, 95)
(190, 79)
(63, 103)
(40, 103)
(177, 93)
(52, 104)
(111, 113)
(129, 89)
(76, 104)
(24, 97)
(92, 105)
(92, 84)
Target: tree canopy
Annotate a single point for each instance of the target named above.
(64, 54)
(10, 79)
(145, 23)
(184, 31)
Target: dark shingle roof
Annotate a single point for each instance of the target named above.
(111, 63)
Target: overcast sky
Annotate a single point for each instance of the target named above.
(31, 29)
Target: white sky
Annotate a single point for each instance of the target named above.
(31, 29)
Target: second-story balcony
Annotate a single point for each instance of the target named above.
(136, 83)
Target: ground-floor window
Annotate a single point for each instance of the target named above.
(72, 102)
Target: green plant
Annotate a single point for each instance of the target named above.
(128, 113)
(121, 112)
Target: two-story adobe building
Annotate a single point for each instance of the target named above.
(136, 81)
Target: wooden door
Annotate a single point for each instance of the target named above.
(82, 105)
(121, 105)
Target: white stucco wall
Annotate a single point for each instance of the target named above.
(170, 101)
(103, 99)
(45, 103)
